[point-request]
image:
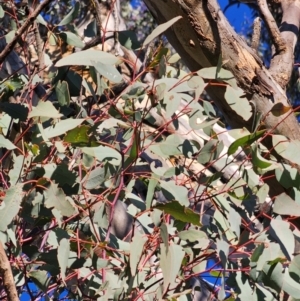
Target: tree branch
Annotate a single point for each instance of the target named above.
(282, 63)
(7, 276)
(278, 42)
(256, 33)
(10, 46)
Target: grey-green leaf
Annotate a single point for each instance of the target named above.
(10, 205)
(63, 252)
(160, 29)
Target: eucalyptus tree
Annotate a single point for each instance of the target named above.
(119, 179)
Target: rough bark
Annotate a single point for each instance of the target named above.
(7, 276)
(203, 34)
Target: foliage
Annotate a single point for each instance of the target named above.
(129, 197)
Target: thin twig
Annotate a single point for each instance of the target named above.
(10, 46)
(278, 42)
(7, 276)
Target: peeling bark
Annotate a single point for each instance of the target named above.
(204, 33)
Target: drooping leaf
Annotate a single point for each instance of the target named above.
(62, 92)
(180, 212)
(257, 160)
(150, 191)
(63, 252)
(245, 141)
(71, 15)
(281, 231)
(136, 249)
(160, 29)
(170, 263)
(10, 205)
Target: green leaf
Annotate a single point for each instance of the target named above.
(164, 234)
(41, 20)
(71, 15)
(150, 191)
(15, 172)
(257, 160)
(208, 152)
(44, 109)
(6, 143)
(294, 268)
(40, 278)
(287, 176)
(223, 251)
(172, 101)
(281, 231)
(245, 141)
(10, 36)
(78, 136)
(284, 205)
(136, 249)
(55, 198)
(108, 71)
(180, 212)
(14, 110)
(63, 252)
(95, 178)
(1, 12)
(238, 103)
(219, 74)
(235, 221)
(282, 279)
(160, 29)
(10, 206)
(72, 39)
(62, 175)
(104, 153)
(288, 149)
(88, 58)
(194, 235)
(62, 127)
(62, 93)
(170, 263)
(175, 192)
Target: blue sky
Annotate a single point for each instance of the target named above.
(238, 17)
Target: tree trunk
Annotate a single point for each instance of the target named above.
(203, 34)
